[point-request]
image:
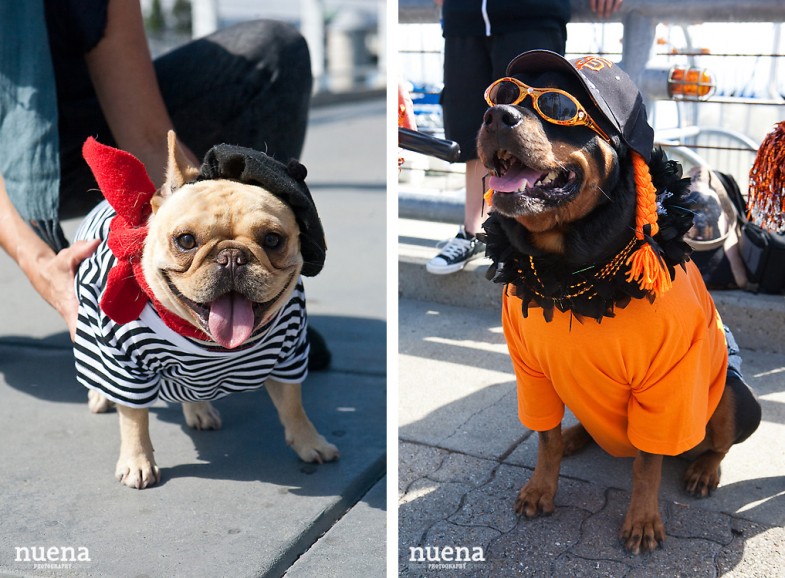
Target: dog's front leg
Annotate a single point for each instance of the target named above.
(643, 529)
(136, 467)
(536, 497)
(300, 433)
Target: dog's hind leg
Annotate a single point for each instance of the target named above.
(575, 438)
(536, 497)
(98, 402)
(201, 415)
(300, 433)
(737, 416)
(643, 528)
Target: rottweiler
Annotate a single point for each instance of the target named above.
(603, 311)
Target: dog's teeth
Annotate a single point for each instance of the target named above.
(549, 178)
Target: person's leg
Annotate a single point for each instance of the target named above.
(249, 85)
(473, 213)
(467, 72)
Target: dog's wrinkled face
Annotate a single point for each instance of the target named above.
(545, 176)
(220, 254)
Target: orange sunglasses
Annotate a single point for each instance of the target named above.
(552, 104)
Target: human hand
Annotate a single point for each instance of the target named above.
(438, 2)
(55, 279)
(604, 8)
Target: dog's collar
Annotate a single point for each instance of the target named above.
(594, 291)
(587, 279)
(124, 182)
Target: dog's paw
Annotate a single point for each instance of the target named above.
(312, 447)
(642, 532)
(703, 475)
(137, 471)
(201, 415)
(98, 402)
(534, 499)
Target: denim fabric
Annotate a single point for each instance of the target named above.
(28, 117)
(734, 355)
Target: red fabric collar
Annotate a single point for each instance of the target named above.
(124, 183)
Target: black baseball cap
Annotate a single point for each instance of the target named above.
(610, 88)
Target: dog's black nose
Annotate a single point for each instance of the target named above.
(502, 116)
(231, 258)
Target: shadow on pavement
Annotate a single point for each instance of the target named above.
(43, 367)
(346, 403)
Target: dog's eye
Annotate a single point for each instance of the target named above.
(272, 241)
(186, 241)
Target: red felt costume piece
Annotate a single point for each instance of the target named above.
(125, 184)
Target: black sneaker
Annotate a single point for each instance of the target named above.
(455, 254)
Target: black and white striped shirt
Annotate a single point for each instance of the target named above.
(138, 362)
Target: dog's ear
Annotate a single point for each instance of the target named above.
(179, 170)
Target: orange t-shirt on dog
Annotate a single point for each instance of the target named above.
(647, 379)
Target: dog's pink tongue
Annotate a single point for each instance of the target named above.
(231, 320)
(517, 178)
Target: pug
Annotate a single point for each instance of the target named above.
(195, 293)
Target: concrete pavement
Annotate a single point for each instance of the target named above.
(236, 502)
(464, 455)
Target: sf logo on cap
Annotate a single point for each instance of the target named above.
(595, 63)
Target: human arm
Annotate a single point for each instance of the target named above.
(605, 8)
(50, 273)
(122, 73)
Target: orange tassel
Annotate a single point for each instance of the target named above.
(646, 267)
(488, 196)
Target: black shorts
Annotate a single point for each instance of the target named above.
(471, 63)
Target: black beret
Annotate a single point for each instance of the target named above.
(287, 182)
